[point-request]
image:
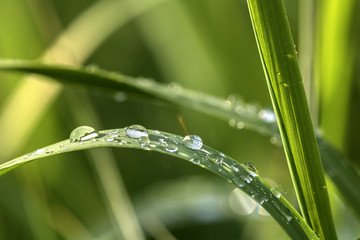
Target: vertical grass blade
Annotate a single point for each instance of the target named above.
(335, 56)
(287, 93)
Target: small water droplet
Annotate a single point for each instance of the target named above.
(82, 134)
(195, 161)
(235, 168)
(136, 131)
(92, 68)
(232, 122)
(109, 139)
(267, 115)
(239, 182)
(251, 169)
(120, 97)
(284, 84)
(240, 125)
(276, 192)
(286, 213)
(246, 179)
(171, 146)
(193, 142)
(240, 109)
(143, 141)
(216, 158)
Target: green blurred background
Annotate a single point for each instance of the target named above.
(205, 45)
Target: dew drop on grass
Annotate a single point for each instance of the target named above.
(193, 142)
(171, 146)
(144, 140)
(267, 115)
(216, 158)
(276, 192)
(238, 181)
(251, 169)
(195, 161)
(82, 133)
(136, 131)
(235, 168)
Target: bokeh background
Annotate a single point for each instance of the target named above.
(203, 45)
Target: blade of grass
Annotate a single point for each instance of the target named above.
(247, 116)
(244, 177)
(306, 56)
(335, 58)
(276, 48)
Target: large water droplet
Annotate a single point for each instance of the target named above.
(136, 131)
(82, 133)
(251, 169)
(193, 142)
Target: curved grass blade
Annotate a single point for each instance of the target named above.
(240, 114)
(281, 68)
(244, 176)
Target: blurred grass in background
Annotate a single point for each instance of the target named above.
(203, 45)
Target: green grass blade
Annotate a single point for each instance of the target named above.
(336, 49)
(276, 47)
(338, 168)
(244, 176)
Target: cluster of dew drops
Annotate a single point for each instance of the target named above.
(139, 135)
(251, 114)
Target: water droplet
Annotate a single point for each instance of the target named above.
(136, 131)
(92, 68)
(240, 109)
(195, 161)
(37, 152)
(267, 115)
(109, 139)
(120, 97)
(193, 142)
(144, 141)
(232, 122)
(240, 125)
(82, 133)
(251, 169)
(286, 213)
(246, 179)
(235, 168)
(216, 158)
(171, 146)
(239, 182)
(284, 84)
(276, 192)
